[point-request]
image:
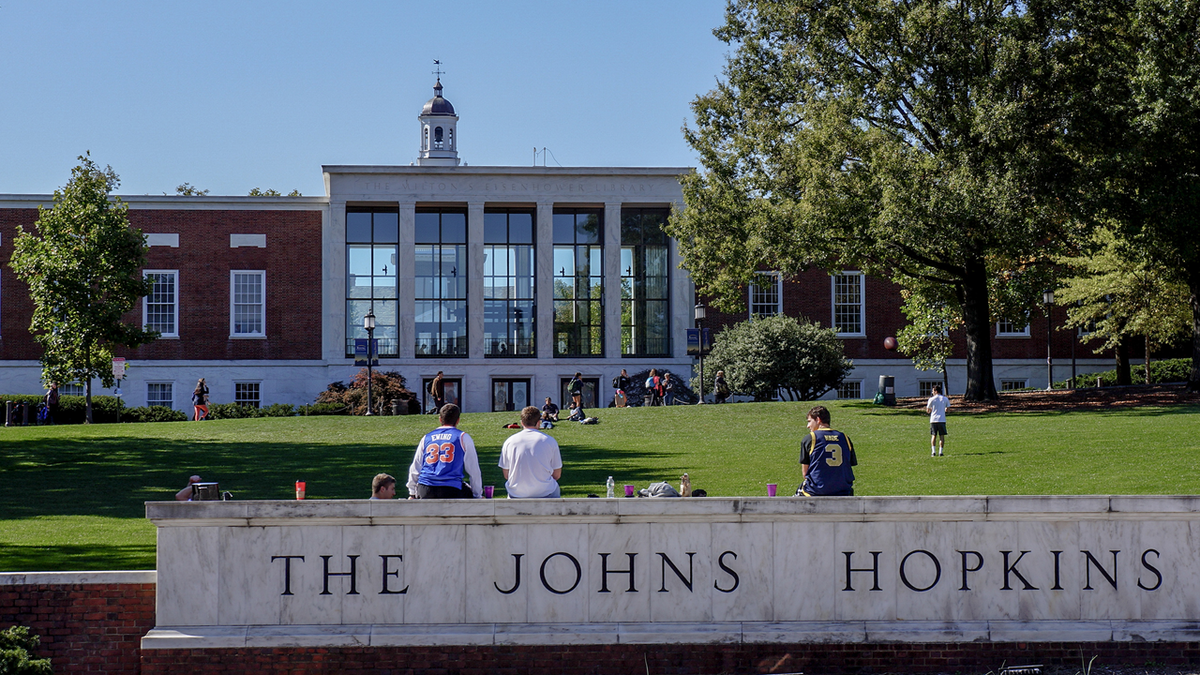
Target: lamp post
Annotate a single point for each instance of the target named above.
(369, 325)
(1048, 300)
(700, 311)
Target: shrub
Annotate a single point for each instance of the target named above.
(323, 409)
(779, 354)
(72, 409)
(277, 410)
(15, 645)
(231, 411)
(1167, 370)
(385, 386)
(154, 413)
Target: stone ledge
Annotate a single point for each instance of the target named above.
(73, 578)
(796, 632)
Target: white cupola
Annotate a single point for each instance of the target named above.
(439, 137)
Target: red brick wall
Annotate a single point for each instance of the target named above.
(680, 659)
(292, 260)
(84, 628)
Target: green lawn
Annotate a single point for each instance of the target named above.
(71, 498)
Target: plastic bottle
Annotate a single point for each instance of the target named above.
(611, 487)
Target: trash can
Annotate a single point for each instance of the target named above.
(887, 387)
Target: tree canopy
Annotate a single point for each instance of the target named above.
(82, 264)
(767, 355)
(918, 141)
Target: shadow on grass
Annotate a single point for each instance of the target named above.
(92, 557)
(586, 469)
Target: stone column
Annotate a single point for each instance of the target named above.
(612, 283)
(475, 280)
(406, 289)
(333, 346)
(544, 270)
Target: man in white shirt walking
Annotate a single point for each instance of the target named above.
(936, 407)
(531, 461)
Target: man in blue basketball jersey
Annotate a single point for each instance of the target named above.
(443, 454)
(825, 458)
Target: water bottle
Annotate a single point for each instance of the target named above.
(611, 487)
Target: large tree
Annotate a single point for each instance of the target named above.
(913, 140)
(82, 264)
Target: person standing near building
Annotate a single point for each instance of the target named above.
(620, 384)
(936, 407)
(826, 458)
(52, 403)
(721, 387)
(575, 387)
(531, 461)
(200, 400)
(437, 389)
(667, 388)
(443, 455)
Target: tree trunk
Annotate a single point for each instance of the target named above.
(87, 388)
(1194, 287)
(977, 320)
(1148, 360)
(1122, 354)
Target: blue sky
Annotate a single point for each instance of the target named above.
(234, 95)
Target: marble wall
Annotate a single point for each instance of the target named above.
(717, 569)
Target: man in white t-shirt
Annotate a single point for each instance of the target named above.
(530, 460)
(936, 407)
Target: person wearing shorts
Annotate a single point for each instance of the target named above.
(936, 407)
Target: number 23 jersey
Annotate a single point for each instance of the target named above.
(829, 455)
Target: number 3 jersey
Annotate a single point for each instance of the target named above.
(441, 459)
(829, 455)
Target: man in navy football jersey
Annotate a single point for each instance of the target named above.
(443, 454)
(825, 458)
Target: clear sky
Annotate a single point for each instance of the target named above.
(232, 95)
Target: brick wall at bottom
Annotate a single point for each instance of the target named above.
(667, 659)
(84, 628)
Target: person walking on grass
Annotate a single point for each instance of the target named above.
(200, 401)
(936, 407)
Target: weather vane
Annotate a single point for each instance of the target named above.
(438, 70)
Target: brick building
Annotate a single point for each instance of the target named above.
(508, 279)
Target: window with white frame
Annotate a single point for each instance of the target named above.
(73, 389)
(925, 387)
(1013, 385)
(247, 394)
(160, 307)
(160, 393)
(247, 306)
(1005, 328)
(848, 305)
(766, 294)
(850, 389)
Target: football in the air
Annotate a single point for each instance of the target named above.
(889, 343)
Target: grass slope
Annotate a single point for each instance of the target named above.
(72, 497)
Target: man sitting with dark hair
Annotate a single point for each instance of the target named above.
(437, 467)
(825, 458)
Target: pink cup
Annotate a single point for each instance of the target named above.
(628, 490)
(488, 491)
(771, 489)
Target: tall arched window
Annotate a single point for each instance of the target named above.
(438, 144)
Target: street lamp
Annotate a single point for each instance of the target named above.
(369, 325)
(1048, 301)
(699, 315)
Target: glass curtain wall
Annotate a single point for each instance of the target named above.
(645, 276)
(441, 282)
(371, 238)
(508, 284)
(578, 282)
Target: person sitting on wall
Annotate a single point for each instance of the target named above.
(383, 486)
(531, 461)
(444, 453)
(550, 411)
(185, 495)
(826, 458)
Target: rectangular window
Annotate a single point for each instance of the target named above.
(1012, 385)
(850, 389)
(160, 393)
(441, 283)
(925, 387)
(766, 294)
(73, 389)
(645, 283)
(247, 394)
(589, 395)
(247, 307)
(848, 305)
(509, 395)
(1012, 329)
(509, 286)
(160, 307)
(451, 388)
(578, 282)
(372, 234)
